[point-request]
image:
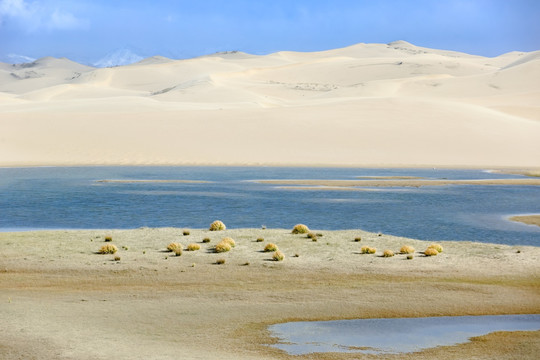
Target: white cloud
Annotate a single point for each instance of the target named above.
(33, 16)
(117, 58)
(64, 21)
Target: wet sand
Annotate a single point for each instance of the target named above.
(62, 300)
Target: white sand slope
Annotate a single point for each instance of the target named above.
(368, 104)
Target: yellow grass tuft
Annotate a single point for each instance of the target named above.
(368, 250)
(278, 256)
(261, 239)
(270, 247)
(431, 251)
(357, 239)
(229, 241)
(406, 249)
(108, 238)
(108, 249)
(178, 251)
(388, 253)
(300, 229)
(217, 226)
(206, 240)
(186, 232)
(193, 247)
(311, 235)
(437, 247)
(220, 261)
(222, 247)
(173, 246)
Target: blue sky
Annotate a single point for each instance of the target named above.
(88, 30)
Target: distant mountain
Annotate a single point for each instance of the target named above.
(16, 59)
(118, 58)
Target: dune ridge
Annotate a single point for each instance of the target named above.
(364, 105)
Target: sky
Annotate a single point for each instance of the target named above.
(111, 32)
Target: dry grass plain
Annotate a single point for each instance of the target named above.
(60, 299)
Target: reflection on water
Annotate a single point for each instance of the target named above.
(72, 198)
(377, 336)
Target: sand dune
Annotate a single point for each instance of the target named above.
(367, 104)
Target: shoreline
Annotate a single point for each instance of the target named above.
(531, 219)
(166, 300)
(518, 170)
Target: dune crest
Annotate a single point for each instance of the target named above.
(393, 104)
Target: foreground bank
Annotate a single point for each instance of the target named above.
(61, 299)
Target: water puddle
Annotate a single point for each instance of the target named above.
(392, 336)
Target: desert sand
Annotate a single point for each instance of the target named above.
(365, 105)
(60, 299)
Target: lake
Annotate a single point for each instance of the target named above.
(74, 198)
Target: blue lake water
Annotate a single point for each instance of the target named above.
(389, 336)
(73, 198)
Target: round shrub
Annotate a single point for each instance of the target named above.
(173, 246)
(388, 253)
(368, 250)
(178, 251)
(431, 251)
(186, 232)
(410, 257)
(278, 256)
(217, 226)
(260, 239)
(406, 249)
(222, 247)
(193, 247)
(220, 261)
(357, 239)
(108, 249)
(437, 247)
(108, 238)
(229, 241)
(270, 247)
(206, 240)
(311, 235)
(300, 229)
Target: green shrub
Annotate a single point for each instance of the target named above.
(186, 232)
(206, 240)
(357, 239)
(108, 238)
(260, 239)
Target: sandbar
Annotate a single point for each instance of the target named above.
(60, 299)
(401, 183)
(527, 219)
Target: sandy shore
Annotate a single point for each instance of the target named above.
(59, 299)
(527, 219)
(398, 183)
